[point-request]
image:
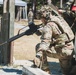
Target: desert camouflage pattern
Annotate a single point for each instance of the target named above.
(63, 25)
(53, 43)
(50, 35)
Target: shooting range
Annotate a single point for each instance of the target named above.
(7, 26)
(18, 39)
(7, 30)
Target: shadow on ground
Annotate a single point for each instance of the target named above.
(55, 68)
(16, 71)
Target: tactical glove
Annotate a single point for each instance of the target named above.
(37, 61)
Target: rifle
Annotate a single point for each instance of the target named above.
(32, 29)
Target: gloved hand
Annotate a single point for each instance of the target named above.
(37, 61)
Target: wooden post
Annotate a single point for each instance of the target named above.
(7, 30)
(4, 37)
(0, 41)
(11, 28)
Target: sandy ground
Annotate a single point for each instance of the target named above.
(24, 47)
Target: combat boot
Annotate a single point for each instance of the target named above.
(47, 70)
(45, 67)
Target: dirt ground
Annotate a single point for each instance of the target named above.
(24, 47)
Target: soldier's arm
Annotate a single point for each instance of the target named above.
(46, 38)
(39, 30)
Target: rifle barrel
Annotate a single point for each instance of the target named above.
(32, 29)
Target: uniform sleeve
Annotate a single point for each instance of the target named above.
(46, 38)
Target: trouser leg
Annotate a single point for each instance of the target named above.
(65, 59)
(45, 65)
(64, 56)
(66, 65)
(44, 60)
(43, 57)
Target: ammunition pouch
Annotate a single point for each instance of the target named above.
(61, 40)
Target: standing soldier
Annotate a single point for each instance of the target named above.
(30, 16)
(52, 36)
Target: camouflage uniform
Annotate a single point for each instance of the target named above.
(51, 34)
(53, 45)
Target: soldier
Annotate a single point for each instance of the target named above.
(67, 7)
(53, 38)
(30, 16)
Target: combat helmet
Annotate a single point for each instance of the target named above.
(45, 10)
